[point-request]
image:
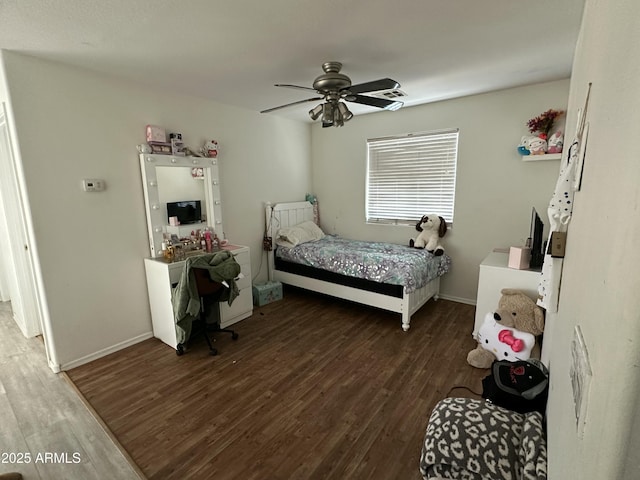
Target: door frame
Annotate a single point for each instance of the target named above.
(25, 284)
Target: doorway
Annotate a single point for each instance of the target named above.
(19, 282)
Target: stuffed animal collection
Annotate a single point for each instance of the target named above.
(509, 332)
(532, 145)
(432, 228)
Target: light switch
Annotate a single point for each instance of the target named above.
(93, 185)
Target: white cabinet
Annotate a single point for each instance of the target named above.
(496, 275)
(242, 306)
(162, 276)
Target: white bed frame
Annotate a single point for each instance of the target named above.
(290, 214)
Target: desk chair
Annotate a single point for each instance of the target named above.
(209, 292)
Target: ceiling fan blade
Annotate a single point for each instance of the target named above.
(287, 85)
(375, 102)
(374, 86)
(290, 104)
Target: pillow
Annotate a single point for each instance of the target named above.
(301, 233)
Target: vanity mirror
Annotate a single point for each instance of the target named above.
(164, 177)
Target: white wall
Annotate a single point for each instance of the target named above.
(72, 124)
(495, 190)
(600, 281)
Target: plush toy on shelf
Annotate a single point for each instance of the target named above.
(510, 332)
(556, 141)
(532, 145)
(524, 147)
(210, 149)
(538, 146)
(432, 228)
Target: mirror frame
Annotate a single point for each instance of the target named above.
(156, 215)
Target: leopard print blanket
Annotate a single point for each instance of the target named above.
(470, 439)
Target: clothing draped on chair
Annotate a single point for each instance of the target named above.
(221, 267)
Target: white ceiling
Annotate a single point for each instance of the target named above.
(234, 51)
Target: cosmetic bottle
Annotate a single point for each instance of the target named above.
(207, 238)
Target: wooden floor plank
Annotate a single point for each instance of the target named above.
(315, 388)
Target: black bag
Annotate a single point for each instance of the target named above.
(521, 386)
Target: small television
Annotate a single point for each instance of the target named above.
(189, 211)
(537, 244)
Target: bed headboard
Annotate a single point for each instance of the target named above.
(284, 215)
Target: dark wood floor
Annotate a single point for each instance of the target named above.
(315, 388)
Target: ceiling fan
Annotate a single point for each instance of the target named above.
(333, 86)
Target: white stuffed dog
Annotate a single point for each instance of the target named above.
(431, 228)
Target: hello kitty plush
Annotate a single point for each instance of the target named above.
(431, 228)
(556, 141)
(537, 146)
(503, 342)
(210, 149)
(525, 144)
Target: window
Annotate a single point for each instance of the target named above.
(410, 176)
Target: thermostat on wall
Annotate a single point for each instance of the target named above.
(93, 185)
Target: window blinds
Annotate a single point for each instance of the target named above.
(411, 176)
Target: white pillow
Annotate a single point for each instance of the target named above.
(301, 233)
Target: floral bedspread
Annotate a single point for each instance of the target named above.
(377, 261)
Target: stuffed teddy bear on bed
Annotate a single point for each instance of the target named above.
(431, 228)
(510, 332)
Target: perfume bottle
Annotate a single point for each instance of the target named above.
(208, 241)
(168, 252)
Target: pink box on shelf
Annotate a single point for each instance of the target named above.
(156, 134)
(519, 257)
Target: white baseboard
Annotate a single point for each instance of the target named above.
(54, 367)
(106, 351)
(457, 299)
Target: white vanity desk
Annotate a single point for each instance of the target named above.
(157, 172)
(163, 275)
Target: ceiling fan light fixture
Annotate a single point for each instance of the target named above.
(335, 88)
(345, 112)
(338, 121)
(327, 115)
(315, 112)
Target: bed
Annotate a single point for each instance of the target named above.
(363, 275)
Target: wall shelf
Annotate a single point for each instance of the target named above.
(538, 158)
